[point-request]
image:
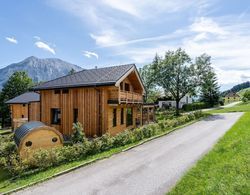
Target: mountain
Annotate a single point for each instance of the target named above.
(237, 88)
(38, 69)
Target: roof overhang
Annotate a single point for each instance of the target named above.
(133, 69)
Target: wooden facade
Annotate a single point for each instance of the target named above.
(92, 107)
(22, 113)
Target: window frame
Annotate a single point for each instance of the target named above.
(114, 117)
(122, 116)
(55, 111)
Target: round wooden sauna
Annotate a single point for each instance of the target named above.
(35, 135)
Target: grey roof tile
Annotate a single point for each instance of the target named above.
(25, 98)
(92, 77)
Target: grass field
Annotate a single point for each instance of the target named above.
(241, 92)
(241, 107)
(225, 169)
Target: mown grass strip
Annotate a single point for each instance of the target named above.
(225, 169)
(8, 185)
(241, 107)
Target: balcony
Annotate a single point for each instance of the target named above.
(130, 97)
(126, 97)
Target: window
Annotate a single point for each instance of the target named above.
(129, 117)
(127, 87)
(114, 117)
(57, 91)
(24, 105)
(75, 115)
(28, 144)
(122, 116)
(55, 116)
(65, 91)
(22, 116)
(121, 86)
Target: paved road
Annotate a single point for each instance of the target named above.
(152, 168)
(231, 104)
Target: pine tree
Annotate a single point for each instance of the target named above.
(18, 83)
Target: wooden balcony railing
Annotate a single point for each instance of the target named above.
(130, 97)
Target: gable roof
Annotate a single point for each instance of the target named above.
(92, 77)
(232, 94)
(25, 98)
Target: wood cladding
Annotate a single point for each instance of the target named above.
(21, 113)
(93, 110)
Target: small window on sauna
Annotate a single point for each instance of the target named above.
(55, 116)
(114, 117)
(127, 87)
(65, 91)
(28, 143)
(54, 139)
(122, 116)
(22, 116)
(121, 86)
(24, 105)
(57, 91)
(75, 115)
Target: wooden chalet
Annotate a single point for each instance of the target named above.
(24, 108)
(103, 99)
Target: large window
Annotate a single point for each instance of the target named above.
(122, 116)
(75, 115)
(129, 117)
(114, 117)
(55, 116)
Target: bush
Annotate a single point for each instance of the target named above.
(246, 96)
(82, 147)
(78, 134)
(195, 106)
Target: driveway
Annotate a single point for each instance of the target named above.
(152, 168)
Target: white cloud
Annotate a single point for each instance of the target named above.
(11, 39)
(37, 38)
(45, 47)
(134, 30)
(90, 54)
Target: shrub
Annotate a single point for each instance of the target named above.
(195, 106)
(106, 142)
(82, 147)
(78, 134)
(123, 138)
(246, 96)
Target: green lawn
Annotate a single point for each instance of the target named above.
(225, 169)
(241, 107)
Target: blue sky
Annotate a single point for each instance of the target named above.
(109, 32)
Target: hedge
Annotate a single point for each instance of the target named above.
(195, 106)
(43, 159)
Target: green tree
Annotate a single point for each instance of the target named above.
(146, 75)
(210, 93)
(207, 80)
(175, 75)
(246, 96)
(18, 83)
(72, 71)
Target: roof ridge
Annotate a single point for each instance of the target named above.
(113, 70)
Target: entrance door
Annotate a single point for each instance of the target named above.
(129, 117)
